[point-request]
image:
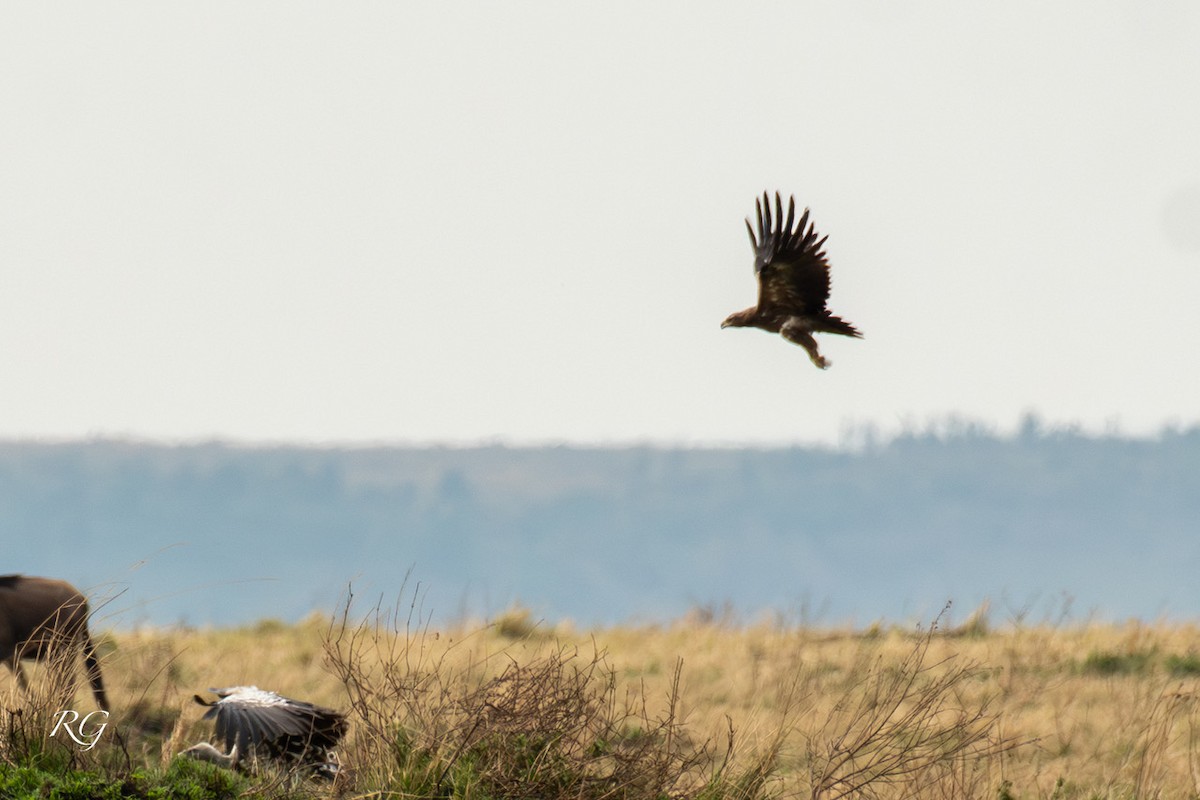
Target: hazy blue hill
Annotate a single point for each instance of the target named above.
(223, 533)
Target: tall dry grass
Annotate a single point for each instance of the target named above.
(703, 707)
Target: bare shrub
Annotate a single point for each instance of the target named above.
(906, 729)
(554, 725)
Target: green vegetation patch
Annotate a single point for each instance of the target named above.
(183, 780)
(1108, 662)
(1182, 666)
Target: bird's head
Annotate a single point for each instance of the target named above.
(738, 319)
(206, 752)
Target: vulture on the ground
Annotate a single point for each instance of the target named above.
(253, 723)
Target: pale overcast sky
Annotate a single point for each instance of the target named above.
(522, 221)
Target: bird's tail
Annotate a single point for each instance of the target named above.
(831, 324)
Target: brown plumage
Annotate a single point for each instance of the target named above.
(793, 280)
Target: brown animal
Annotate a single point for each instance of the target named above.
(39, 617)
(793, 281)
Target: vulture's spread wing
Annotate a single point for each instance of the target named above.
(259, 721)
(793, 275)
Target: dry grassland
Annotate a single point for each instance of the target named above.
(1038, 711)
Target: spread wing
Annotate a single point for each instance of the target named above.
(793, 275)
(257, 720)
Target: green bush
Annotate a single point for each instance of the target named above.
(1182, 666)
(1107, 662)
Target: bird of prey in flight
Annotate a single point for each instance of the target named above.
(793, 280)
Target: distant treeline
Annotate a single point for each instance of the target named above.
(1040, 522)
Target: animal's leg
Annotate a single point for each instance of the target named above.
(93, 672)
(798, 334)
